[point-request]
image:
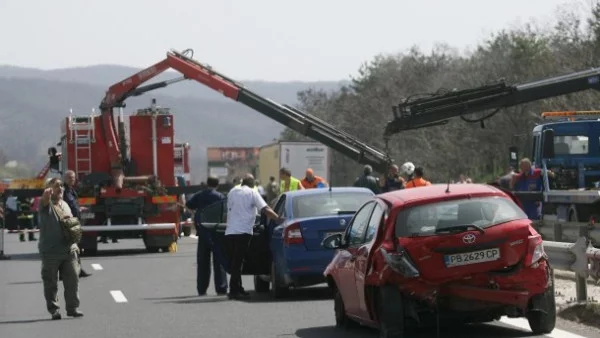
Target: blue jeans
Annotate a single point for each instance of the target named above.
(206, 246)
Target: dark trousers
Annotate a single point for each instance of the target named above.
(203, 256)
(237, 245)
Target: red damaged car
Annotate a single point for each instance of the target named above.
(461, 253)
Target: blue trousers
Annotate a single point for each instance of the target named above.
(206, 249)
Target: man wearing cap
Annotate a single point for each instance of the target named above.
(311, 181)
(366, 180)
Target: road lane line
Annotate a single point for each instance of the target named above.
(97, 267)
(522, 323)
(118, 296)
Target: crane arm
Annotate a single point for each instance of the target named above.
(292, 118)
(438, 109)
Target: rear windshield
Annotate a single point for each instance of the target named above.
(424, 220)
(326, 204)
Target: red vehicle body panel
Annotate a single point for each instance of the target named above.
(356, 270)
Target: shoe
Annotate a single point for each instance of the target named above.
(201, 294)
(221, 293)
(83, 274)
(238, 296)
(56, 315)
(75, 314)
(244, 293)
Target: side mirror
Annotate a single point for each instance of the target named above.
(548, 144)
(332, 242)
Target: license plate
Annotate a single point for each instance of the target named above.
(87, 215)
(474, 257)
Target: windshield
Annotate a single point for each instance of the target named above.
(425, 220)
(326, 204)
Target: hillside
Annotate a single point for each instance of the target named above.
(33, 102)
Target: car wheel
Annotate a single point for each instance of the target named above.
(260, 285)
(390, 313)
(277, 291)
(543, 322)
(341, 319)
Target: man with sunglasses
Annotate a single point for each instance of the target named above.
(56, 253)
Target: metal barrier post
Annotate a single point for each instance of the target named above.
(580, 281)
(3, 257)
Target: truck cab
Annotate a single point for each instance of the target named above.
(576, 143)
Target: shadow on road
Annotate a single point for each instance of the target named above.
(32, 256)
(189, 299)
(297, 295)
(24, 283)
(465, 331)
(25, 321)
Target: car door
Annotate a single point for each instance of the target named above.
(354, 237)
(275, 231)
(363, 254)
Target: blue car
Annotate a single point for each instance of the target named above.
(290, 254)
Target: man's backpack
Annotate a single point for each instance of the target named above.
(71, 226)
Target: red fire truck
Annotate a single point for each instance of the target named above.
(145, 157)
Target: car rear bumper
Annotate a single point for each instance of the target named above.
(515, 290)
(305, 267)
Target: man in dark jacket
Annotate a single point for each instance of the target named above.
(368, 181)
(70, 196)
(206, 245)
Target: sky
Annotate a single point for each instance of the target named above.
(272, 40)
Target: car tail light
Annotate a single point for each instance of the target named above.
(400, 262)
(535, 250)
(292, 234)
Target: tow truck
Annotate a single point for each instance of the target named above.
(570, 148)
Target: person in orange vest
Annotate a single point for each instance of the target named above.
(311, 181)
(418, 180)
(288, 182)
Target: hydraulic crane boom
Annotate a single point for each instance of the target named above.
(191, 69)
(438, 109)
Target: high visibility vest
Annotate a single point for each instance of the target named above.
(417, 182)
(294, 185)
(255, 188)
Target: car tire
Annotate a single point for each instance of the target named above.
(390, 313)
(260, 286)
(543, 322)
(341, 319)
(277, 291)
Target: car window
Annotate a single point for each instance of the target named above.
(359, 224)
(280, 206)
(425, 220)
(326, 204)
(374, 222)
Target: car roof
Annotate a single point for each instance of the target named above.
(436, 192)
(317, 191)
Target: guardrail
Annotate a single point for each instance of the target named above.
(570, 247)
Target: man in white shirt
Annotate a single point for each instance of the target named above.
(243, 205)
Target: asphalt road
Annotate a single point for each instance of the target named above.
(134, 294)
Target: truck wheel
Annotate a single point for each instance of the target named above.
(152, 249)
(390, 313)
(543, 322)
(260, 285)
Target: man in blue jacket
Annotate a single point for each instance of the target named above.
(206, 245)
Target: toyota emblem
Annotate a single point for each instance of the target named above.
(342, 222)
(469, 238)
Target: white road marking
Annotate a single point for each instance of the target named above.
(194, 236)
(118, 296)
(523, 324)
(97, 267)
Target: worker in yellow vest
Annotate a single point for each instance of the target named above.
(288, 182)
